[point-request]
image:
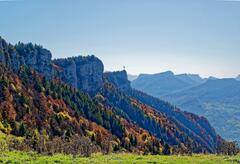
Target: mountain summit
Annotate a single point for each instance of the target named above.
(164, 83)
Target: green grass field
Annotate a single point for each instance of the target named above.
(22, 157)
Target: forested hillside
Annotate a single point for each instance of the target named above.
(31, 105)
(71, 106)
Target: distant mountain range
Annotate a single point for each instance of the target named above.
(165, 83)
(131, 77)
(216, 99)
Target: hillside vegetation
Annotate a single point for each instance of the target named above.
(71, 106)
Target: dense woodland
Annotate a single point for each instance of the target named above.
(32, 107)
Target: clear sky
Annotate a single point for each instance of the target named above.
(146, 36)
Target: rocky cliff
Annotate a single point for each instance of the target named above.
(119, 79)
(9, 56)
(85, 73)
(26, 54)
(81, 72)
(36, 57)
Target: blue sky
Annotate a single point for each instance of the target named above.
(146, 36)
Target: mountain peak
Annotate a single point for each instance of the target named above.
(141, 75)
(162, 83)
(166, 73)
(211, 78)
(119, 79)
(191, 78)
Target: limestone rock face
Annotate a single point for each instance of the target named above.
(2, 56)
(36, 57)
(31, 55)
(119, 79)
(85, 73)
(9, 56)
(66, 71)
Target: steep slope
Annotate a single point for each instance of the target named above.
(214, 99)
(80, 72)
(160, 118)
(34, 56)
(164, 83)
(30, 102)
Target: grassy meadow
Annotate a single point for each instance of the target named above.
(23, 157)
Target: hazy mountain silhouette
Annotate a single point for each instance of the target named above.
(166, 82)
(216, 99)
(132, 77)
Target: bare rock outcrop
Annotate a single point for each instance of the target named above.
(85, 73)
(119, 79)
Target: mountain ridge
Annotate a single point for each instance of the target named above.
(212, 98)
(160, 84)
(105, 99)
